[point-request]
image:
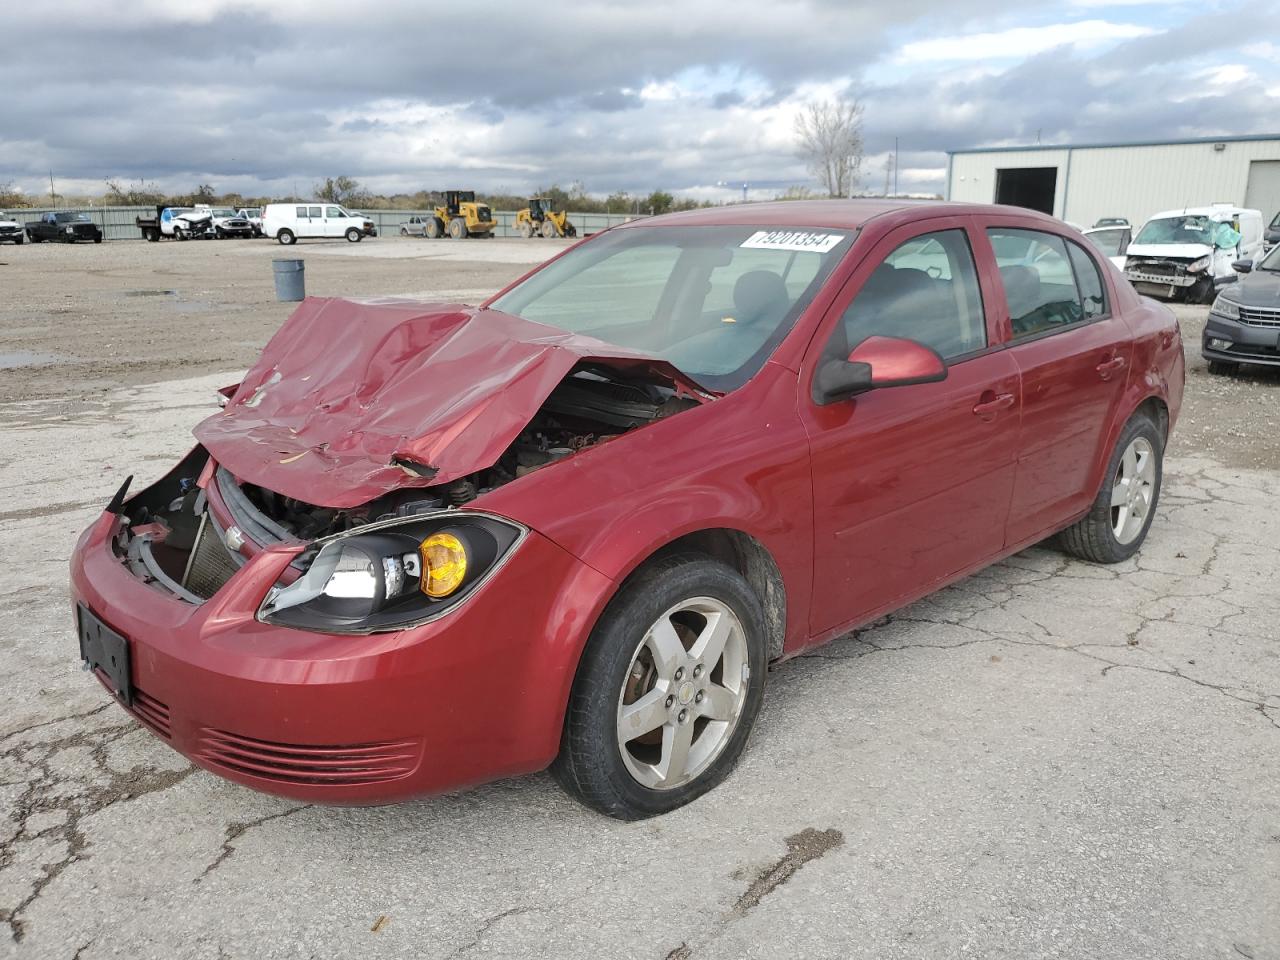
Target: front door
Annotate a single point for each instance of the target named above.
(911, 484)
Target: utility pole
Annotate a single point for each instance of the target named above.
(53, 197)
(895, 166)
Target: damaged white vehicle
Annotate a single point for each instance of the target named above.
(1187, 254)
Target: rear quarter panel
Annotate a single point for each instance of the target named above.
(1157, 367)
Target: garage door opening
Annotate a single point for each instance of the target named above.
(1031, 187)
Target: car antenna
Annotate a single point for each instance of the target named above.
(117, 502)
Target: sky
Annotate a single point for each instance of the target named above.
(695, 97)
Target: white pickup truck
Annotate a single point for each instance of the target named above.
(10, 230)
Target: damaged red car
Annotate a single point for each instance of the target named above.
(428, 545)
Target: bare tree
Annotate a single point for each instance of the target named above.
(829, 135)
(134, 194)
(341, 190)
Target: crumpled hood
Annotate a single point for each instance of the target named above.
(353, 399)
(1168, 251)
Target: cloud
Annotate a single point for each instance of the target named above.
(253, 95)
(1019, 42)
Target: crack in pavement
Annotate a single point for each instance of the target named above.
(40, 799)
(488, 924)
(236, 830)
(804, 847)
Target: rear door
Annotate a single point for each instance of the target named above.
(911, 485)
(1073, 355)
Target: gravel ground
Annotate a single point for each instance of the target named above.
(1048, 759)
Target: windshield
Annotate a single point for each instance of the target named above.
(1179, 230)
(713, 301)
(223, 212)
(1272, 260)
(71, 218)
(1107, 241)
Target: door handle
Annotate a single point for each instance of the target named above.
(1107, 367)
(987, 409)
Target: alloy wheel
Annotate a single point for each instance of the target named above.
(683, 693)
(1132, 490)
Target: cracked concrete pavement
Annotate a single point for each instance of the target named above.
(1046, 759)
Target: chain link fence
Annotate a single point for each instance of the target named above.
(117, 223)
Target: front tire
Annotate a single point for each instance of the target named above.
(549, 230)
(667, 690)
(17, 241)
(458, 228)
(1117, 523)
(1223, 368)
(353, 235)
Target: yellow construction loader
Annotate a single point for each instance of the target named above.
(541, 217)
(461, 217)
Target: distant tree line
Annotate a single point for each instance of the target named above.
(351, 192)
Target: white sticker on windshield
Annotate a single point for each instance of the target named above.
(792, 240)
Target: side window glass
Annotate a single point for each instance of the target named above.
(1088, 281)
(925, 290)
(302, 213)
(314, 213)
(333, 213)
(1039, 283)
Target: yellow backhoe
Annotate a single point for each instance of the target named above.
(460, 217)
(541, 218)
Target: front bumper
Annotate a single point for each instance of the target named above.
(474, 696)
(1250, 343)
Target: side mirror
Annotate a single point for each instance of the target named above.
(876, 363)
(1243, 266)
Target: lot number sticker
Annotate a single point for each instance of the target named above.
(792, 240)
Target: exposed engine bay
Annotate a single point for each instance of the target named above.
(177, 538)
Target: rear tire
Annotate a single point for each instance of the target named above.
(1223, 368)
(700, 705)
(1117, 523)
(404, 231)
(458, 228)
(286, 238)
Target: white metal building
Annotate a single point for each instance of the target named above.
(1134, 180)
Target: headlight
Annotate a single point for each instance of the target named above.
(1199, 266)
(392, 575)
(71, 229)
(1225, 308)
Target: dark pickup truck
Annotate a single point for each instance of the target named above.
(63, 228)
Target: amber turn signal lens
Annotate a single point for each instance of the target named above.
(444, 564)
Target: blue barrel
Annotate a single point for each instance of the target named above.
(291, 282)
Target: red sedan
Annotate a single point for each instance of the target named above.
(426, 545)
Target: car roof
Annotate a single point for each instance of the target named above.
(1215, 211)
(838, 214)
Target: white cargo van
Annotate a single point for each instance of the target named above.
(291, 222)
(1187, 254)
